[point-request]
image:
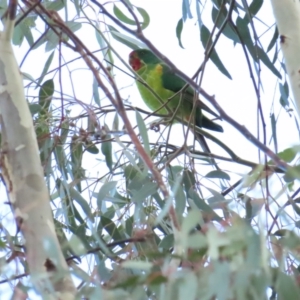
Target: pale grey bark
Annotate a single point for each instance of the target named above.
(287, 15)
(23, 176)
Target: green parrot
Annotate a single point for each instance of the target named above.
(166, 84)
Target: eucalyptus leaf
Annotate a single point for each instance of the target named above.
(179, 29)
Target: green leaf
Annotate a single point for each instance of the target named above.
(82, 203)
(28, 35)
(199, 17)
(146, 190)
(45, 96)
(283, 232)
(77, 245)
(189, 287)
(76, 149)
(60, 158)
(217, 3)
(188, 180)
(45, 144)
(179, 28)
(256, 52)
(197, 241)
(202, 205)
(34, 108)
(74, 26)
(284, 92)
(204, 35)
(106, 51)
(213, 54)
(96, 92)
(111, 228)
(46, 68)
(122, 17)
(104, 273)
(254, 7)
(41, 41)
(125, 39)
(274, 131)
(115, 124)
(140, 265)
(143, 131)
(227, 30)
(23, 29)
(267, 62)
(129, 224)
(3, 7)
(218, 174)
(296, 209)
(174, 172)
(253, 207)
(217, 197)
(167, 242)
(242, 27)
(158, 200)
(186, 11)
(275, 55)
(27, 76)
(180, 201)
(129, 282)
(218, 63)
(273, 40)
(91, 147)
(52, 40)
(45, 152)
(145, 16)
(131, 172)
(129, 155)
(55, 5)
(64, 131)
(106, 190)
(253, 176)
(292, 173)
(18, 36)
(77, 7)
(286, 287)
(106, 149)
(190, 221)
(288, 155)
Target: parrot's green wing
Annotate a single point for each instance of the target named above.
(172, 82)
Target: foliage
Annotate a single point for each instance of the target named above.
(199, 233)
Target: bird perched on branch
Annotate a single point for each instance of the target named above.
(171, 89)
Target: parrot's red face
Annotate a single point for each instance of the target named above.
(134, 61)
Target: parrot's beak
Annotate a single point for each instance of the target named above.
(134, 61)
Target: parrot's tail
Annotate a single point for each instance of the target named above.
(208, 124)
(201, 139)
